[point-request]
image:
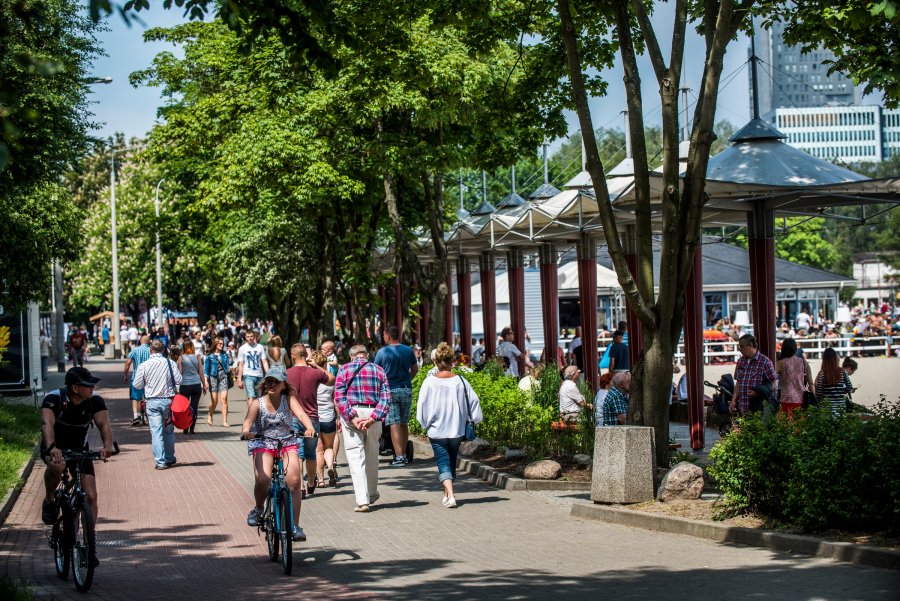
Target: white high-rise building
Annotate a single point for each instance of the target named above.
(850, 134)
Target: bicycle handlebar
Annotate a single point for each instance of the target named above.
(262, 437)
(70, 455)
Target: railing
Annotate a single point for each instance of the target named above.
(726, 350)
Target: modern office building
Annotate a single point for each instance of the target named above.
(789, 78)
(850, 134)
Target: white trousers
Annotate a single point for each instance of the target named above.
(361, 449)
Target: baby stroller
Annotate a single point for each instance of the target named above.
(724, 391)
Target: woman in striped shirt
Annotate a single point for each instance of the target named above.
(833, 383)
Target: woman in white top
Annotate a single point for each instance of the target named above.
(446, 402)
(325, 452)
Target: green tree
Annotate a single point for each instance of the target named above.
(46, 47)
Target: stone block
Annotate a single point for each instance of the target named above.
(545, 469)
(624, 465)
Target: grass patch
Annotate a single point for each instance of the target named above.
(20, 428)
(14, 591)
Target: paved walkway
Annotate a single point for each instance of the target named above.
(180, 534)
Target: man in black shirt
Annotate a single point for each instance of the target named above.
(618, 353)
(66, 418)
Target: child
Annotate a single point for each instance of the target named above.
(270, 415)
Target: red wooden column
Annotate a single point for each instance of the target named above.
(761, 226)
(550, 300)
(486, 267)
(587, 292)
(426, 321)
(398, 305)
(635, 328)
(464, 289)
(516, 264)
(693, 348)
(448, 310)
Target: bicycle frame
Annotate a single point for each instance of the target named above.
(278, 483)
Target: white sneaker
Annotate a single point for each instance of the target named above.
(450, 503)
(444, 500)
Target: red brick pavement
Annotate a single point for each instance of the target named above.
(173, 534)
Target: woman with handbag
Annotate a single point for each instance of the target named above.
(191, 365)
(794, 376)
(217, 378)
(447, 409)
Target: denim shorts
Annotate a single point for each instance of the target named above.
(401, 404)
(329, 427)
(307, 446)
(250, 385)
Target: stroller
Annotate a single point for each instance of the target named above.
(724, 391)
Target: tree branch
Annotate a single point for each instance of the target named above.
(656, 57)
(595, 168)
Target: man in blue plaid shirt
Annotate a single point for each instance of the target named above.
(615, 405)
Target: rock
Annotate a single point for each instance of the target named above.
(582, 460)
(545, 469)
(515, 453)
(623, 465)
(470, 447)
(684, 481)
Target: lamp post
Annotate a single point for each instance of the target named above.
(159, 318)
(58, 304)
(116, 324)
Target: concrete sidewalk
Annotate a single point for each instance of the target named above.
(181, 533)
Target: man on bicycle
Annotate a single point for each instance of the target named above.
(66, 417)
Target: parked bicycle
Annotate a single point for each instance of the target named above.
(72, 534)
(277, 518)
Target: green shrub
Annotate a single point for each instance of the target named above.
(514, 418)
(20, 427)
(816, 471)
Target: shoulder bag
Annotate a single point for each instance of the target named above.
(470, 425)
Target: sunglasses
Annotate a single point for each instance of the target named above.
(273, 385)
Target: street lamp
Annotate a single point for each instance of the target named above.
(159, 319)
(59, 308)
(116, 324)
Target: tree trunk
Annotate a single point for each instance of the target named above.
(436, 286)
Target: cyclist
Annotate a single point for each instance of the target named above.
(66, 416)
(271, 416)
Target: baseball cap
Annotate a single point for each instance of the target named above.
(276, 374)
(80, 375)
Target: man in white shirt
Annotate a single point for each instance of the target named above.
(158, 377)
(252, 365)
(571, 401)
(133, 337)
(478, 353)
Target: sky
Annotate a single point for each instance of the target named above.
(119, 107)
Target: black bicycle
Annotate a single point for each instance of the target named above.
(72, 535)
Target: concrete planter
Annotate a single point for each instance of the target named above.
(624, 465)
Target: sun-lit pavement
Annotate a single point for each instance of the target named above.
(180, 534)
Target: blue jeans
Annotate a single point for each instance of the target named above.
(162, 430)
(446, 450)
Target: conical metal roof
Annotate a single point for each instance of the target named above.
(485, 208)
(511, 200)
(757, 129)
(544, 192)
(461, 214)
(759, 157)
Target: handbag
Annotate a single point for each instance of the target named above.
(222, 367)
(470, 425)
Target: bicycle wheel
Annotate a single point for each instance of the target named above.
(60, 547)
(83, 549)
(271, 530)
(286, 530)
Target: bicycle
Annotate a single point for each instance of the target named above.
(277, 517)
(72, 534)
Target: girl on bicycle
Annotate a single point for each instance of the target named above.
(270, 417)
